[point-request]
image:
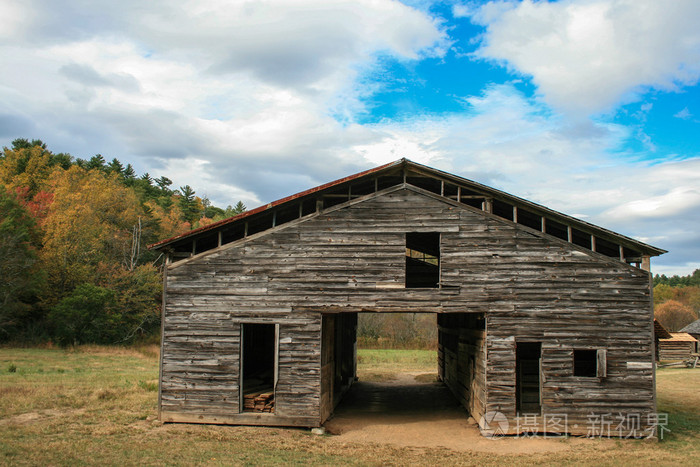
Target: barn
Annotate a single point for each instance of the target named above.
(543, 319)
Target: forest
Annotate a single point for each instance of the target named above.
(73, 234)
(75, 266)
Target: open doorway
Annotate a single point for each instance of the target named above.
(413, 367)
(258, 367)
(528, 356)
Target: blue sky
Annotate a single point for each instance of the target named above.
(589, 107)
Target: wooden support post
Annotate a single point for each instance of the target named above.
(301, 210)
(245, 230)
(319, 205)
(570, 234)
(488, 205)
(349, 192)
(622, 253)
(515, 214)
(442, 187)
(219, 238)
(646, 263)
(376, 184)
(194, 247)
(274, 218)
(543, 224)
(593, 242)
(459, 194)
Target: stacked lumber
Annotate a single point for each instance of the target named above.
(259, 402)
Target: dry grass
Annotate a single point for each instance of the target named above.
(97, 405)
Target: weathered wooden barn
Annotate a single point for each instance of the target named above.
(540, 315)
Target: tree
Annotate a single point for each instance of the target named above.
(96, 162)
(662, 293)
(674, 315)
(115, 167)
(90, 221)
(87, 315)
(231, 211)
(188, 204)
(28, 167)
(164, 184)
(20, 278)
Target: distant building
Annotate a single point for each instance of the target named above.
(694, 330)
(678, 347)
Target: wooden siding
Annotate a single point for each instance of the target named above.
(462, 359)
(352, 258)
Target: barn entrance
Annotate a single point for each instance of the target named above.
(401, 367)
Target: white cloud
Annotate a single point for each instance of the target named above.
(683, 114)
(588, 56)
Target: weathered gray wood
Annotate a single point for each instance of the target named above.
(528, 285)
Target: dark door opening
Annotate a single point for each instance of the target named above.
(422, 260)
(258, 368)
(528, 356)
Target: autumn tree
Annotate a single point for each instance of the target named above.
(89, 222)
(674, 315)
(26, 167)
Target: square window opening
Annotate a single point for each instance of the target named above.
(585, 363)
(423, 260)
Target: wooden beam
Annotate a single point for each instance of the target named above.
(543, 224)
(622, 253)
(593, 242)
(219, 238)
(515, 214)
(570, 234)
(245, 229)
(646, 263)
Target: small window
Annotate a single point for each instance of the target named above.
(422, 260)
(590, 363)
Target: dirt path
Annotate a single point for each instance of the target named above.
(408, 413)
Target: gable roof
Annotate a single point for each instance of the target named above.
(406, 172)
(660, 332)
(692, 328)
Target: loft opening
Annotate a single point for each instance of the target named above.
(423, 260)
(258, 367)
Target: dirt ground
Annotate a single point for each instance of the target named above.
(409, 413)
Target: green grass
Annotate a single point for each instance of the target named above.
(97, 405)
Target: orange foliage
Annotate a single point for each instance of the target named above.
(674, 315)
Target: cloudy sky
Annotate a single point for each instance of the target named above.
(590, 107)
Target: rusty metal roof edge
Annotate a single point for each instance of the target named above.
(397, 163)
(272, 204)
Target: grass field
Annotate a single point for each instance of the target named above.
(97, 405)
